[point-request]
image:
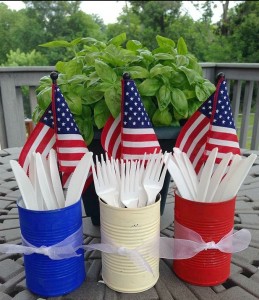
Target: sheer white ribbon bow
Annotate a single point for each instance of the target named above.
(149, 247)
(188, 243)
(64, 249)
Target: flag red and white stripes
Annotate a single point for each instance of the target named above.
(56, 129)
(131, 134)
(211, 126)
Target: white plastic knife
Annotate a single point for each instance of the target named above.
(77, 181)
(25, 186)
(44, 179)
(55, 177)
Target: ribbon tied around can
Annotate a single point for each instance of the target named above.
(187, 243)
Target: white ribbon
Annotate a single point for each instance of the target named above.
(64, 249)
(149, 247)
(188, 243)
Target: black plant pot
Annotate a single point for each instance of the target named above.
(166, 136)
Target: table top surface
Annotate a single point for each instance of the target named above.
(243, 282)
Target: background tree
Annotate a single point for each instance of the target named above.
(244, 32)
(232, 39)
(61, 20)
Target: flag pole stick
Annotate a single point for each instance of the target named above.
(219, 76)
(54, 77)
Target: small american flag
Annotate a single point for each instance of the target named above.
(131, 134)
(41, 140)
(211, 126)
(70, 145)
(56, 129)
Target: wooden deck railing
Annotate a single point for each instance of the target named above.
(242, 80)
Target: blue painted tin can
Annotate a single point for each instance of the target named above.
(45, 276)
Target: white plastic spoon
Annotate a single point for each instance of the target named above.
(54, 172)
(78, 179)
(217, 176)
(206, 175)
(25, 186)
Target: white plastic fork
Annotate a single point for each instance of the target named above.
(142, 194)
(129, 184)
(110, 168)
(153, 178)
(103, 188)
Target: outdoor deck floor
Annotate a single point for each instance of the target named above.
(243, 283)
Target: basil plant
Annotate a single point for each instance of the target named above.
(169, 80)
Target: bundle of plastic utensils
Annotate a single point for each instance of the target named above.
(42, 189)
(216, 182)
(130, 183)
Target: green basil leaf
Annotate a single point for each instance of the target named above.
(133, 45)
(37, 113)
(113, 101)
(74, 102)
(53, 44)
(118, 40)
(201, 95)
(86, 129)
(182, 60)
(149, 87)
(78, 79)
(189, 94)
(192, 76)
(162, 118)
(181, 46)
(164, 56)
(90, 96)
(146, 56)
(101, 114)
(208, 87)
(193, 106)
(105, 72)
(89, 40)
(44, 97)
(160, 70)
(163, 97)
(71, 68)
(103, 86)
(138, 72)
(194, 65)
(76, 41)
(163, 41)
(149, 105)
(179, 80)
(179, 102)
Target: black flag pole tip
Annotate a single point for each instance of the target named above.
(126, 76)
(54, 76)
(219, 75)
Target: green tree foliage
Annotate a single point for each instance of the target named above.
(61, 20)
(244, 32)
(143, 20)
(42, 21)
(18, 58)
(232, 39)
